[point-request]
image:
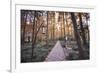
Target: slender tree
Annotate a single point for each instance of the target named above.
(53, 23)
(33, 33)
(24, 21)
(87, 19)
(82, 29)
(36, 29)
(64, 23)
(47, 30)
(60, 18)
(77, 36)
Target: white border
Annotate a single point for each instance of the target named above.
(17, 67)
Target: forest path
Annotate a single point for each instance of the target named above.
(57, 53)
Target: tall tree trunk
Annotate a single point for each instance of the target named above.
(33, 34)
(51, 27)
(67, 26)
(47, 31)
(64, 24)
(61, 26)
(22, 23)
(24, 27)
(53, 21)
(82, 29)
(79, 43)
(87, 18)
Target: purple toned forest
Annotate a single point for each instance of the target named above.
(54, 36)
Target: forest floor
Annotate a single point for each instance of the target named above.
(41, 51)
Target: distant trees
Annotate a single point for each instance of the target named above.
(53, 24)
